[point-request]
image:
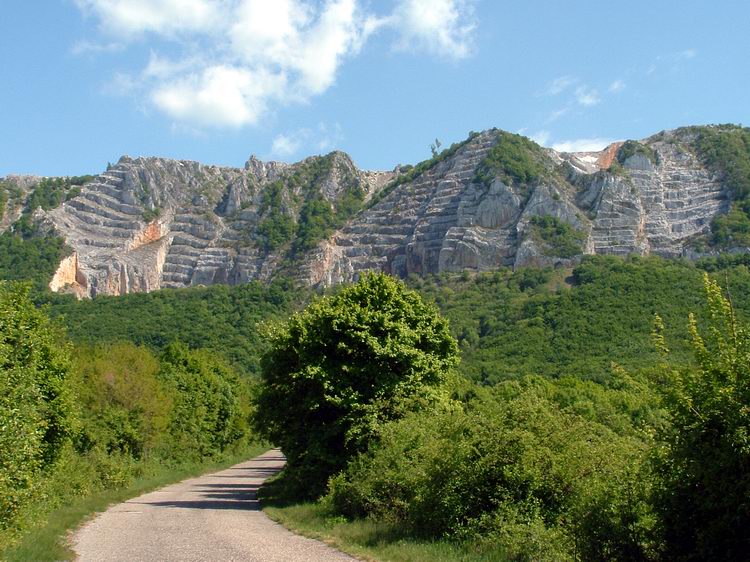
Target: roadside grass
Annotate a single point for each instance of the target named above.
(49, 539)
(366, 539)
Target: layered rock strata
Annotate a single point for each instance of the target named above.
(448, 220)
(150, 223)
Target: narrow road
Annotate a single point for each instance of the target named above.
(214, 517)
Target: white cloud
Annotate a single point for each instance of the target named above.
(541, 137)
(617, 86)
(559, 85)
(323, 138)
(582, 145)
(284, 146)
(127, 18)
(441, 27)
(221, 96)
(233, 60)
(587, 96)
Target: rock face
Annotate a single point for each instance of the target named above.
(446, 220)
(13, 193)
(150, 223)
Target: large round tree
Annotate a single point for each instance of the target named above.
(337, 371)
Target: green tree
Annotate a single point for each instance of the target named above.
(37, 414)
(337, 371)
(209, 400)
(703, 496)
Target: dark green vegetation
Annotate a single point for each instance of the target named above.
(631, 148)
(725, 149)
(297, 215)
(50, 193)
(79, 421)
(515, 159)
(30, 258)
(557, 238)
(648, 464)
(219, 318)
(340, 370)
(26, 254)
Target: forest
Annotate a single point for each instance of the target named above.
(553, 431)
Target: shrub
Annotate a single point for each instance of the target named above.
(514, 472)
(514, 159)
(337, 371)
(37, 412)
(704, 465)
(557, 238)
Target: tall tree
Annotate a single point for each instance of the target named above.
(337, 371)
(704, 493)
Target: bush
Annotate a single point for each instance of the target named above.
(37, 412)
(556, 238)
(337, 371)
(704, 465)
(513, 472)
(210, 403)
(126, 408)
(514, 159)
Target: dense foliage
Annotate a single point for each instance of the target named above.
(514, 159)
(513, 472)
(557, 238)
(69, 428)
(30, 258)
(347, 364)
(554, 323)
(37, 408)
(725, 149)
(704, 465)
(219, 318)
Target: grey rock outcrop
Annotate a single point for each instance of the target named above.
(446, 220)
(149, 223)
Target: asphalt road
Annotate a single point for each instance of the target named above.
(214, 517)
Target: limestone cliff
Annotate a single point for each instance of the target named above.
(449, 219)
(496, 199)
(150, 223)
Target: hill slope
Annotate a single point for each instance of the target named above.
(496, 199)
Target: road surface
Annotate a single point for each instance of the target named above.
(214, 517)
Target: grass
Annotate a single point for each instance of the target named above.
(366, 539)
(49, 540)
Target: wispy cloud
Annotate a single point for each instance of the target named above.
(85, 47)
(559, 85)
(321, 139)
(257, 54)
(582, 145)
(671, 60)
(617, 86)
(587, 96)
(541, 137)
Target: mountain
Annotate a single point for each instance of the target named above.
(495, 199)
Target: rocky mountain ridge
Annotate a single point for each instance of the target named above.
(496, 199)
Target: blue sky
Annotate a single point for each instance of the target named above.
(85, 81)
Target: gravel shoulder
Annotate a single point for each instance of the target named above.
(214, 517)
